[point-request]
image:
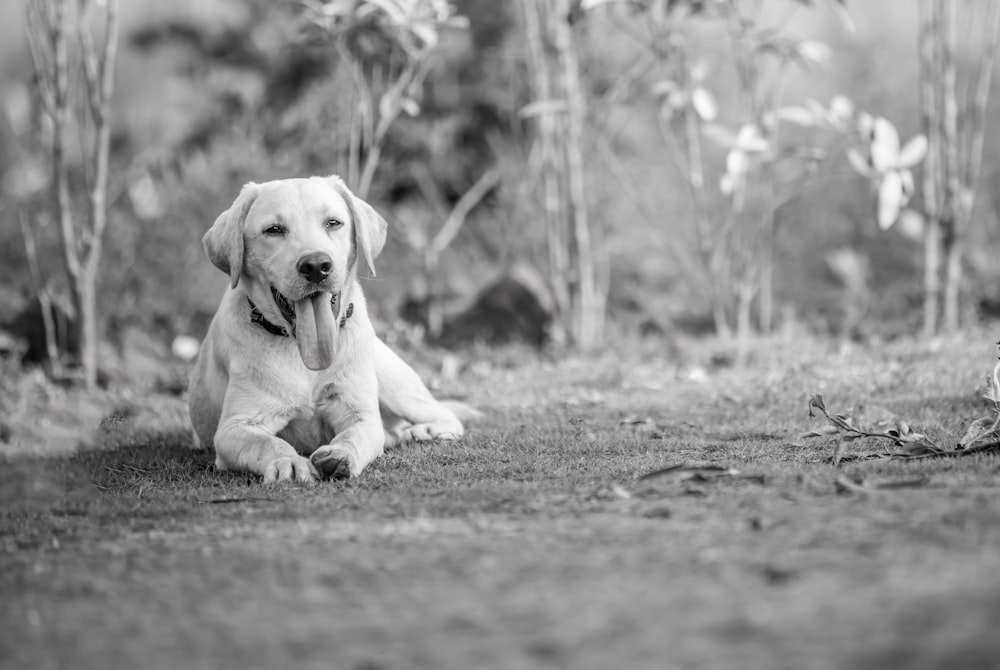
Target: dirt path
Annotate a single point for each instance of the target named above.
(533, 543)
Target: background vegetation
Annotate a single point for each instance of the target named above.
(695, 181)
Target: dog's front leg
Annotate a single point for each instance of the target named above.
(247, 441)
(348, 410)
(410, 411)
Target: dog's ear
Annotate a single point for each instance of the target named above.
(369, 226)
(224, 240)
(369, 232)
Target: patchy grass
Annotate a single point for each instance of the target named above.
(536, 541)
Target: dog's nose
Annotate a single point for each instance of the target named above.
(315, 266)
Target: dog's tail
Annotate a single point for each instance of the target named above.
(464, 412)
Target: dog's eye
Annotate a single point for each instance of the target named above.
(332, 224)
(274, 229)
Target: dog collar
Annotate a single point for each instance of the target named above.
(257, 318)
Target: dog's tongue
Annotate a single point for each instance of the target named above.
(315, 331)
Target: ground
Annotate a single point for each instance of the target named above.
(536, 541)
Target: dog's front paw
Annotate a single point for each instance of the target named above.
(425, 432)
(290, 468)
(336, 462)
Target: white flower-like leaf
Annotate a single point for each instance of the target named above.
(543, 107)
(891, 199)
(815, 52)
(912, 152)
(410, 106)
(737, 163)
(802, 116)
(750, 140)
(726, 184)
(884, 146)
(704, 104)
(842, 107)
(700, 70)
(665, 87)
(906, 179)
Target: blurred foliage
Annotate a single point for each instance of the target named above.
(213, 94)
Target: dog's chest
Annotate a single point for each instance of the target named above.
(279, 372)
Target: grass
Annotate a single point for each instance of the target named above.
(535, 542)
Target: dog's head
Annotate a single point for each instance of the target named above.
(296, 243)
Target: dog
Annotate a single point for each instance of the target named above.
(291, 382)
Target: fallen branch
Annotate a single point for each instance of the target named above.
(226, 501)
(982, 435)
(699, 473)
(845, 483)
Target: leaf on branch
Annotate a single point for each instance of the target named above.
(814, 52)
(410, 106)
(425, 31)
(801, 116)
(387, 104)
(587, 5)
(750, 140)
(393, 10)
(727, 185)
(737, 163)
(912, 152)
(993, 383)
(543, 107)
(891, 198)
(977, 430)
(884, 146)
(701, 70)
(842, 108)
(704, 104)
(908, 187)
(665, 87)
(823, 431)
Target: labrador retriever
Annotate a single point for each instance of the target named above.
(291, 381)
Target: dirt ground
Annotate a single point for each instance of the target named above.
(536, 541)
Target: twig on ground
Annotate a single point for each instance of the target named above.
(701, 473)
(909, 444)
(230, 500)
(845, 483)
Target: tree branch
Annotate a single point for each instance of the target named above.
(101, 109)
(37, 34)
(461, 210)
(980, 99)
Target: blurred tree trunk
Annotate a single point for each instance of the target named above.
(949, 145)
(44, 294)
(954, 155)
(52, 26)
(929, 91)
(708, 242)
(589, 317)
(576, 263)
(430, 247)
(549, 130)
